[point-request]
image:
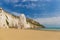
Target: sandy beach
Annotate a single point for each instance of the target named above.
(18, 34)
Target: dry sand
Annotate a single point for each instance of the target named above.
(17, 34)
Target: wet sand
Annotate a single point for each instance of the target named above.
(18, 34)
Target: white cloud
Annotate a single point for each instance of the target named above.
(32, 5)
(37, 0)
(15, 13)
(11, 1)
(49, 0)
(14, 1)
(45, 0)
(29, 0)
(49, 21)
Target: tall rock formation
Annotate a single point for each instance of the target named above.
(23, 21)
(11, 21)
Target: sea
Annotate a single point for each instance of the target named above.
(49, 29)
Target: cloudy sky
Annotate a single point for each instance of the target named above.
(46, 12)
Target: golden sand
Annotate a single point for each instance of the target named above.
(18, 34)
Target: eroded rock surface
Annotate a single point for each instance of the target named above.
(10, 21)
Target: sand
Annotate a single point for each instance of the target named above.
(18, 34)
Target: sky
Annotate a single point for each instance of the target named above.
(46, 12)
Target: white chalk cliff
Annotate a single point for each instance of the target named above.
(10, 21)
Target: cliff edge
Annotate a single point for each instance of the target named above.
(11, 21)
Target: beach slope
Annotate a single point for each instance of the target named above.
(18, 34)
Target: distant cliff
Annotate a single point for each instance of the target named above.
(34, 24)
(11, 21)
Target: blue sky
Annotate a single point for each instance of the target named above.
(46, 12)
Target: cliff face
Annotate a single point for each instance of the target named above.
(10, 21)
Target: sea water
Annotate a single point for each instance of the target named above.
(51, 28)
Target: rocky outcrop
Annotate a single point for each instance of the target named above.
(11, 21)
